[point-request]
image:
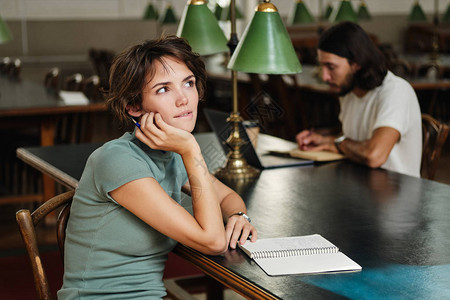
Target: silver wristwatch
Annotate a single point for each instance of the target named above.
(242, 214)
(338, 141)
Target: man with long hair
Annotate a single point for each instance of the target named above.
(380, 113)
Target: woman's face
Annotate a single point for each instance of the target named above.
(172, 93)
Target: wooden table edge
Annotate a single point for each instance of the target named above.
(221, 274)
(46, 168)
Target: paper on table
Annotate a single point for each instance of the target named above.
(73, 98)
(316, 155)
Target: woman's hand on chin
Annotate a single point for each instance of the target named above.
(159, 135)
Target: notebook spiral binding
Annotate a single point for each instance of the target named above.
(293, 252)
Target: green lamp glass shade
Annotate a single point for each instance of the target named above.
(169, 16)
(150, 13)
(199, 27)
(300, 15)
(446, 17)
(363, 12)
(328, 11)
(223, 13)
(265, 47)
(344, 13)
(417, 14)
(218, 12)
(5, 34)
(237, 12)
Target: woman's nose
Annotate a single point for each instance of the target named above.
(182, 99)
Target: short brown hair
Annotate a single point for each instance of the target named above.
(130, 68)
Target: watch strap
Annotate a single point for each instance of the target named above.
(241, 214)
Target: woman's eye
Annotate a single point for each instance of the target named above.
(161, 90)
(190, 83)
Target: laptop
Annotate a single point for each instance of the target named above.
(260, 157)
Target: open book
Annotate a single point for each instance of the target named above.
(311, 155)
(298, 255)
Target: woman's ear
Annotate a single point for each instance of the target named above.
(133, 111)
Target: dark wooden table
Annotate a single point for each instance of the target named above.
(395, 226)
(25, 103)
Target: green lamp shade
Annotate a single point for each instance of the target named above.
(150, 13)
(328, 11)
(446, 17)
(363, 12)
(169, 16)
(5, 34)
(417, 14)
(301, 14)
(344, 13)
(218, 12)
(237, 12)
(265, 47)
(199, 27)
(223, 13)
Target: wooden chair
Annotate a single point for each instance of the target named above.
(27, 222)
(73, 82)
(434, 136)
(15, 68)
(91, 88)
(52, 78)
(400, 68)
(102, 61)
(4, 65)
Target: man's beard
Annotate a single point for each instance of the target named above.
(348, 85)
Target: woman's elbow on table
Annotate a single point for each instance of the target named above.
(215, 246)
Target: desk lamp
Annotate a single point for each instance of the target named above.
(169, 16)
(218, 11)
(199, 27)
(328, 11)
(300, 14)
(150, 12)
(434, 56)
(5, 34)
(446, 17)
(265, 48)
(363, 12)
(345, 12)
(417, 14)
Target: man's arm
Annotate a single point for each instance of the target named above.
(372, 152)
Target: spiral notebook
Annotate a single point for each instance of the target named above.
(307, 254)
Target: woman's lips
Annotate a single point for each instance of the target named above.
(184, 114)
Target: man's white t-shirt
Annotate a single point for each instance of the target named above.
(394, 104)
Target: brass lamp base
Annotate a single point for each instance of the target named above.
(237, 169)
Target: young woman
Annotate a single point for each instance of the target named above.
(126, 214)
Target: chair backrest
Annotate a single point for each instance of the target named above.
(102, 60)
(4, 65)
(51, 79)
(434, 136)
(27, 222)
(73, 82)
(91, 88)
(15, 68)
(400, 68)
(430, 70)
